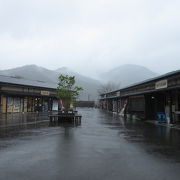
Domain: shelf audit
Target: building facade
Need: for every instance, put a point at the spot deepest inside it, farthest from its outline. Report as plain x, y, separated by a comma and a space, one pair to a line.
22, 95
157, 98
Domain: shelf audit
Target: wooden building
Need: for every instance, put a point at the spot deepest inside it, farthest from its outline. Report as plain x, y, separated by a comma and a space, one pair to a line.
23, 95
148, 99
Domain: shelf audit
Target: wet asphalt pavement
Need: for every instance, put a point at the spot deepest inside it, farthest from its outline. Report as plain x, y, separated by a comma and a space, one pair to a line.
102, 147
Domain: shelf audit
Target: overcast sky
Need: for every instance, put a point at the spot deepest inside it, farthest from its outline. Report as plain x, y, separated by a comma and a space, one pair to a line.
90, 36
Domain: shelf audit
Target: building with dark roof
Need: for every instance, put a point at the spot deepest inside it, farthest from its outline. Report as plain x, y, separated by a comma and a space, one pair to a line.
152, 99
25, 95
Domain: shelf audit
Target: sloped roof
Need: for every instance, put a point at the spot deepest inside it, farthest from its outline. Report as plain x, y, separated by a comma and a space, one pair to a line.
26, 82
146, 81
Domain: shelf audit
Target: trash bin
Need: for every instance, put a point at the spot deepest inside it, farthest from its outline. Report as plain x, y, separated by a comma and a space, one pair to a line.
161, 117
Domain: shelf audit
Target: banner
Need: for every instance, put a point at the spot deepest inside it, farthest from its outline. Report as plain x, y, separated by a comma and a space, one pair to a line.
55, 105
17, 105
9, 104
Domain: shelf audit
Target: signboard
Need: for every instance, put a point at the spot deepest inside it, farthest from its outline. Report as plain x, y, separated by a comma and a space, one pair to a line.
118, 93
161, 84
45, 93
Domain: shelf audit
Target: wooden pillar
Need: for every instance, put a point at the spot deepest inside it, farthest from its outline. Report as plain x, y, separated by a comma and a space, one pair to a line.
171, 115
117, 104
3, 104
145, 107
107, 105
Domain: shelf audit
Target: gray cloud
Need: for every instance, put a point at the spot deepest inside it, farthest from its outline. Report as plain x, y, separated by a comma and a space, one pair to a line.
90, 36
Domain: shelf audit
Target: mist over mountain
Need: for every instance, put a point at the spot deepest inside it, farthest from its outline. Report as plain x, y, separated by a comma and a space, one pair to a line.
122, 76
126, 75
34, 72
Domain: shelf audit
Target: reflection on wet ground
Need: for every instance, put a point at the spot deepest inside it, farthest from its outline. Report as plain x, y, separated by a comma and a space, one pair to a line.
103, 146
17, 125
155, 139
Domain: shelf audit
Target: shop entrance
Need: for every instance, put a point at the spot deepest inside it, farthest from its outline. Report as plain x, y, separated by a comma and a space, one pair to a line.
154, 103
38, 104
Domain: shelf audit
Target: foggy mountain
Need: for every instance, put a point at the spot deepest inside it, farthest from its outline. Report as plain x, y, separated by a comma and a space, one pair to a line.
126, 75
34, 72
122, 76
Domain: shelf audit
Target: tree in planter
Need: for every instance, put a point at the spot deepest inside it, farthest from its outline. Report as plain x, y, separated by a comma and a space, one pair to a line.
67, 91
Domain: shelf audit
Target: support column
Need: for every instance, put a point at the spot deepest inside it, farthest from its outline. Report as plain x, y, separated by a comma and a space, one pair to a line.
171, 115
3, 104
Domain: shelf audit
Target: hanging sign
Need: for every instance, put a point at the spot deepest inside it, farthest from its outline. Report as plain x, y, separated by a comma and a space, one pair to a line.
161, 84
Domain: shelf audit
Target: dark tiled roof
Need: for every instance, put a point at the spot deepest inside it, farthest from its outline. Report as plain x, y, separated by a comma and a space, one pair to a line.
147, 81
154, 79
26, 82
